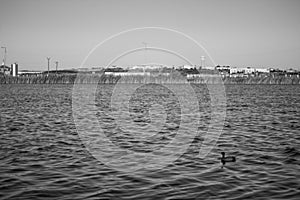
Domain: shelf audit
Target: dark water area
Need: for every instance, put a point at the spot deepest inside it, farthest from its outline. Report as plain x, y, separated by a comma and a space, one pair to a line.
42, 155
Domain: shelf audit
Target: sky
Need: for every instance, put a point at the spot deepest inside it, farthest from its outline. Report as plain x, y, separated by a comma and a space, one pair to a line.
240, 33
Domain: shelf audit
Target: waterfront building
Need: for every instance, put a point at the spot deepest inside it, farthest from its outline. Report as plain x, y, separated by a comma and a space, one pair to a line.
5, 70
188, 67
14, 69
248, 70
128, 73
29, 73
262, 70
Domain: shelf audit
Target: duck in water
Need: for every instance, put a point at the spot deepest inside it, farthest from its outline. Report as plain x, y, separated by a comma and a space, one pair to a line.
224, 159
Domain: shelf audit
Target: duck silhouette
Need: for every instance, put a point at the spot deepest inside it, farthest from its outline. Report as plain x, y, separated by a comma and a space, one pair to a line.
224, 159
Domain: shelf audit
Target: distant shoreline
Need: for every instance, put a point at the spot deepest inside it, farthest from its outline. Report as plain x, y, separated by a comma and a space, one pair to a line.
108, 79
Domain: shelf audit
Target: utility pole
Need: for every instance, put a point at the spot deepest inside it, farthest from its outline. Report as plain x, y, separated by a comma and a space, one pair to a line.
202, 61
4, 58
48, 58
145, 55
56, 66
145, 43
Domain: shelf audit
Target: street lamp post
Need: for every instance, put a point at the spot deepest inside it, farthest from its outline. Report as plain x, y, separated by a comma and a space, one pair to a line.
4, 58
48, 58
56, 64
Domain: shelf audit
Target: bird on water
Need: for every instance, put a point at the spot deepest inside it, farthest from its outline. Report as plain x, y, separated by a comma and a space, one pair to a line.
224, 159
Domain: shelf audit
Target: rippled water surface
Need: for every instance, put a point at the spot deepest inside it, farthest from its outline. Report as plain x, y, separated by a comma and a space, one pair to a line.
42, 156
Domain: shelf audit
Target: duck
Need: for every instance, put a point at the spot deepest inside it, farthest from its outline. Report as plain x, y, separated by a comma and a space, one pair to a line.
224, 159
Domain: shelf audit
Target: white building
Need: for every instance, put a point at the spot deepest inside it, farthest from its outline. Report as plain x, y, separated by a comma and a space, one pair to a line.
262, 70
14, 69
222, 67
128, 73
147, 67
29, 72
249, 70
234, 70
188, 67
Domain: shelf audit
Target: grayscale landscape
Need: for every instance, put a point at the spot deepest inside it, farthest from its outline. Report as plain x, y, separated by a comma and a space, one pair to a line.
149, 99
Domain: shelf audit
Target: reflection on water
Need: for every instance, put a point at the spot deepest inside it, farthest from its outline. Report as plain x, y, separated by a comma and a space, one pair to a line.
42, 156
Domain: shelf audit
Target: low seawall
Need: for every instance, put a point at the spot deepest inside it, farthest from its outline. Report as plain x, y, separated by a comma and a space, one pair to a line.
108, 79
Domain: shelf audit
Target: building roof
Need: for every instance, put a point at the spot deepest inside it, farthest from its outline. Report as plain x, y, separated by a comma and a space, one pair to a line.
4, 67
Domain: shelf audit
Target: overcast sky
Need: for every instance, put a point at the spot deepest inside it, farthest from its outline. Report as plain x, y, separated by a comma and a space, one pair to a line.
257, 33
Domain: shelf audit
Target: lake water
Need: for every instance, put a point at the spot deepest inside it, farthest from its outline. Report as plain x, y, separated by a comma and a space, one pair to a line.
43, 156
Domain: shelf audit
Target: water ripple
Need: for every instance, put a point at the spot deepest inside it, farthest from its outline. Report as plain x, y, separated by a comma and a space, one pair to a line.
42, 156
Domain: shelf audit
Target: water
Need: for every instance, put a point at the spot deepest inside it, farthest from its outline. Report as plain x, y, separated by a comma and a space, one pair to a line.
43, 157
